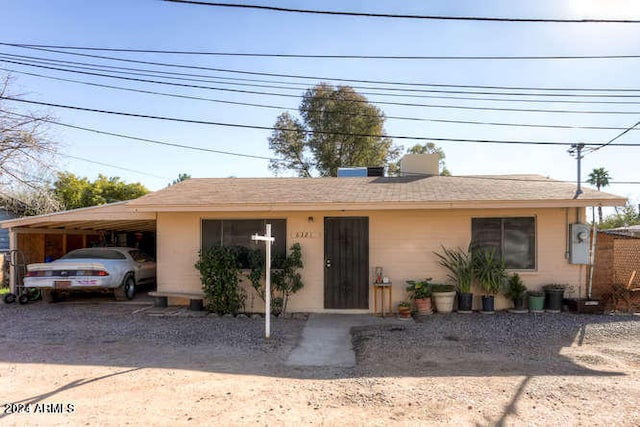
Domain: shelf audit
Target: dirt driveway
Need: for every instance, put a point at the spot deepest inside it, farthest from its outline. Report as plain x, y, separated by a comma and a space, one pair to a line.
113, 364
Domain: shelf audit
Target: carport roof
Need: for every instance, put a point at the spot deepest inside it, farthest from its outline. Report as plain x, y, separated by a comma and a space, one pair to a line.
111, 217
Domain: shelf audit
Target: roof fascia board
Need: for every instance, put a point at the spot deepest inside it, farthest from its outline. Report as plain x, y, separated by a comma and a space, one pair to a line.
494, 204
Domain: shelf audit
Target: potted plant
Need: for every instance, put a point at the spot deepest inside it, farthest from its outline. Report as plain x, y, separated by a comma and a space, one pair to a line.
420, 293
536, 301
490, 270
460, 271
517, 292
404, 310
443, 297
553, 296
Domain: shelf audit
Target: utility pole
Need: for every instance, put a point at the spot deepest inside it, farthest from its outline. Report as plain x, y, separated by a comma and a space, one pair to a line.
576, 149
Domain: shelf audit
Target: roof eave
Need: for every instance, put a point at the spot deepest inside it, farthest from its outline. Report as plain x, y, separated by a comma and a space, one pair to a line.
392, 205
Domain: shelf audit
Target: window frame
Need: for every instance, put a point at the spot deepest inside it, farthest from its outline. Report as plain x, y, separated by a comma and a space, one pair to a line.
502, 240
274, 253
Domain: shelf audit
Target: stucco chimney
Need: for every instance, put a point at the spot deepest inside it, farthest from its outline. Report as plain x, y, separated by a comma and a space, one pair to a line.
420, 164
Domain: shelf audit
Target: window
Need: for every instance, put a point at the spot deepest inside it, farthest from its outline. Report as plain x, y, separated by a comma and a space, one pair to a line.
237, 233
94, 253
514, 239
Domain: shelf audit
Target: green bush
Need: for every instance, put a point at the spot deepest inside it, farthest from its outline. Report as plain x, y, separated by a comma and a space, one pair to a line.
285, 277
515, 288
441, 287
219, 271
419, 290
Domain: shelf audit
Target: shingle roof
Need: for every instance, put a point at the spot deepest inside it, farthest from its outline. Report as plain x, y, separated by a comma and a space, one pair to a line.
382, 192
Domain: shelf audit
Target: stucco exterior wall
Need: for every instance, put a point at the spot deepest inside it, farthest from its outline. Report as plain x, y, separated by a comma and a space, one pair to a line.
402, 242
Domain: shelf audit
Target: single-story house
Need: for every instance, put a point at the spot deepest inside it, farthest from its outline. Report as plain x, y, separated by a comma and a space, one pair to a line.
348, 226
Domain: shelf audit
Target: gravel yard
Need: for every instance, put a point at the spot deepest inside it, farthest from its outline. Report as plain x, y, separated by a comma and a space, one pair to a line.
113, 364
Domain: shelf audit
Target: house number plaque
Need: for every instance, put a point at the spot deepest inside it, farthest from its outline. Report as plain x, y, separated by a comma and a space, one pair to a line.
305, 235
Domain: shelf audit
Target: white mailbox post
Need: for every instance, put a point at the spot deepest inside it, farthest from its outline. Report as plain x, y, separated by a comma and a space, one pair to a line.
268, 241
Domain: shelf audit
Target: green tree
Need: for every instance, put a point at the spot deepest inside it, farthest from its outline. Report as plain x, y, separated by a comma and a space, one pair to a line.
181, 177
76, 192
337, 127
600, 178
628, 216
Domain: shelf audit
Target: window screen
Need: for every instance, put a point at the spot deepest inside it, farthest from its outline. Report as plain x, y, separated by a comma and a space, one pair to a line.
512, 238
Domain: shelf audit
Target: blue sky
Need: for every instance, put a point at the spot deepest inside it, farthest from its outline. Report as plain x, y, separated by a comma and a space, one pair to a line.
150, 24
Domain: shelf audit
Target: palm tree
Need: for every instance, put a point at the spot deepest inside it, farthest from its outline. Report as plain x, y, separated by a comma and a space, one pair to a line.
600, 178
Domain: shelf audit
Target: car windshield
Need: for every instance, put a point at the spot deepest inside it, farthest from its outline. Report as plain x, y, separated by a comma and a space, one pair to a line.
94, 253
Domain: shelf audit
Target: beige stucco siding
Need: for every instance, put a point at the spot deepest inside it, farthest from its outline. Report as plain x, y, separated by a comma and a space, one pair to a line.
402, 242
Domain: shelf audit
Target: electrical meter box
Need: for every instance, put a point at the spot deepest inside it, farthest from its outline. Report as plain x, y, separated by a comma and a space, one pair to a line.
580, 243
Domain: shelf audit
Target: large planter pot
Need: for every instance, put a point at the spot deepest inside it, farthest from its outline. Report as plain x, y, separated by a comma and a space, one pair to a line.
423, 305
444, 301
519, 305
553, 300
536, 303
488, 304
465, 302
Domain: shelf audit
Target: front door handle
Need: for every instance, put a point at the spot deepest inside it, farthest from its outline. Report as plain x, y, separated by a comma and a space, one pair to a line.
327, 263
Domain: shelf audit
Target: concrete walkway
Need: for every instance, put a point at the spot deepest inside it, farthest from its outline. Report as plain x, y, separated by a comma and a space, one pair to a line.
326, 339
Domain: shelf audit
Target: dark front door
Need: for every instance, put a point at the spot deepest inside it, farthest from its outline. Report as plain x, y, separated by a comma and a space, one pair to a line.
346, 262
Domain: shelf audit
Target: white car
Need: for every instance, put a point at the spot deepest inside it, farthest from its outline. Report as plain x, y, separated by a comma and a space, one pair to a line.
117, 270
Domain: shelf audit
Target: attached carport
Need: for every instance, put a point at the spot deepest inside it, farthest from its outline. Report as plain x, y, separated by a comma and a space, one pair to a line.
47, 237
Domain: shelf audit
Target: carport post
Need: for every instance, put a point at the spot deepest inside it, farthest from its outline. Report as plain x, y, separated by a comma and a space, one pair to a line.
268, 241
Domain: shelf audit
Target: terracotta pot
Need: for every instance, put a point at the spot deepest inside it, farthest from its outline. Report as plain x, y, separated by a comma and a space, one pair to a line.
423, 305
404, 312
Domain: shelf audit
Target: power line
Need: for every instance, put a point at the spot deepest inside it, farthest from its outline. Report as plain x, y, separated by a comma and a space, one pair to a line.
402, 16
322, 78
297, 86
627, 130
277, 107
465, 98
329, 56
113, 166
152, 141
403, 104
96, 67
119, 135
245, 126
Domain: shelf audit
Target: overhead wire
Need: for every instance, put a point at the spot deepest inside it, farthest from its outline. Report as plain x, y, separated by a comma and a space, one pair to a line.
404, 104
154, 141
620, 135
20, 59
148, 140
95, 67
280, 107
401, 16
331, 56
271, 128
316, 78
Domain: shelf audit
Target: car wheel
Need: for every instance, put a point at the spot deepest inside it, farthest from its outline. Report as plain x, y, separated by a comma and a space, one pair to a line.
9, 298
23, 299
127, 290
